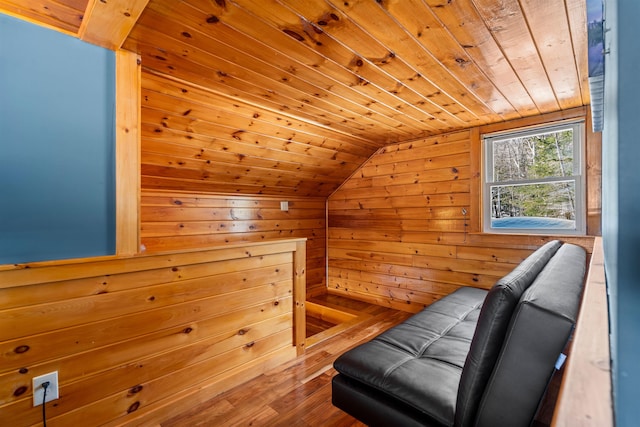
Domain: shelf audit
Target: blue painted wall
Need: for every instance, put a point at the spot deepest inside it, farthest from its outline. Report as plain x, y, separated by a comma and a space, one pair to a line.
621, 202
57, 149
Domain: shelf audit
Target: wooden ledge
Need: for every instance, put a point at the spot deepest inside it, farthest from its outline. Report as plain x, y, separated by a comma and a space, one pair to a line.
585, 393
14, 275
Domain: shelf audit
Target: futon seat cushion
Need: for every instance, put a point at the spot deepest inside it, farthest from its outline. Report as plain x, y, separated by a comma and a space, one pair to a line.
473, 358
421, 358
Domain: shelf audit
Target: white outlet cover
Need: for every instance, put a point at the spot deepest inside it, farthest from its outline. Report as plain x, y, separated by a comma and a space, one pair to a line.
38, 390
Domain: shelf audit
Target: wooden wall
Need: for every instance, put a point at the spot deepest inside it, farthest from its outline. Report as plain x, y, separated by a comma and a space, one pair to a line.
136, 339
398, 234
172, 220
196, 139
205, 181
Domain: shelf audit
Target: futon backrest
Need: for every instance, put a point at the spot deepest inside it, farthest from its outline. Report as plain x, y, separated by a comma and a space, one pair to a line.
493, 322
538, 332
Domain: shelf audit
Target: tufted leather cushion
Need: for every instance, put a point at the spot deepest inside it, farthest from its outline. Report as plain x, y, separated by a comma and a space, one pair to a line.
472, 358
419, 362
538, 332
493, 322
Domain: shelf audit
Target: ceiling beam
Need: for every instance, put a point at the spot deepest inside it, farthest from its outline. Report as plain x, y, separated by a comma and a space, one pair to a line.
107, 23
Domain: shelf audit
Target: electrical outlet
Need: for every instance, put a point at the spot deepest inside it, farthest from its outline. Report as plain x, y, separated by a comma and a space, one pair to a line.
284, 205
52, 389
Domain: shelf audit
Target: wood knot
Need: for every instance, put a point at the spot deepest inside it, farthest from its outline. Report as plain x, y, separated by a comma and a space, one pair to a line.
250, 344
20, 391
188, 330
134, 407
23, 370
293, 34
242, 331
212, 19
21, 349
136, 389
151, 298
276, 303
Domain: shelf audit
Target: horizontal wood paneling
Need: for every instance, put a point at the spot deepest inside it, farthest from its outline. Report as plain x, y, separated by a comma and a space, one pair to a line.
131, 337
195, 139
62, 15
176, 220
296, 393
291, 97
398, 234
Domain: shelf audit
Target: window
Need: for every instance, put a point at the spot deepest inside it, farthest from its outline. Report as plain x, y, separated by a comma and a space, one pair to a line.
534, 181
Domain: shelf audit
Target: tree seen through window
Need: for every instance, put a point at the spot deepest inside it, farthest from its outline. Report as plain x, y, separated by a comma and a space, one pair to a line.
532, 180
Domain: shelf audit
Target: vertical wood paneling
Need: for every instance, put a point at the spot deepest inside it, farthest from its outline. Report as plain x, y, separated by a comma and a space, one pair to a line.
127, 153
594, 179
299, 297
173, 220
405, 229
131, 337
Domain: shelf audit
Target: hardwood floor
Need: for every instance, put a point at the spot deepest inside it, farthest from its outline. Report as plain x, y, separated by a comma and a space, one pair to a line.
297, 393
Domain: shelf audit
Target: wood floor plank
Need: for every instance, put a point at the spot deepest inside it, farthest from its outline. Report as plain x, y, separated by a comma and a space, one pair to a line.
297, 393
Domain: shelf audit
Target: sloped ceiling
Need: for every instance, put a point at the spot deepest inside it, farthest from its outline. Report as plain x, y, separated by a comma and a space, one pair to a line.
289, 97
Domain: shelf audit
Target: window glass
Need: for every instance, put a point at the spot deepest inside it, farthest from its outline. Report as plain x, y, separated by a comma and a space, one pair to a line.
534, 181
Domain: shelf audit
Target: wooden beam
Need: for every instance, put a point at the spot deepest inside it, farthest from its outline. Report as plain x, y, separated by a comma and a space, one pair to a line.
299, 296
127, 153
108, 23
474, 218
593, 181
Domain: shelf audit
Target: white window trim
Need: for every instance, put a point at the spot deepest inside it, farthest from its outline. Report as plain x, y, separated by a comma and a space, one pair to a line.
580, 179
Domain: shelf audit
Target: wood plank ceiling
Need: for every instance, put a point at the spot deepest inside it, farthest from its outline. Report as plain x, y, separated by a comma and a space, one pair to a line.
290, 97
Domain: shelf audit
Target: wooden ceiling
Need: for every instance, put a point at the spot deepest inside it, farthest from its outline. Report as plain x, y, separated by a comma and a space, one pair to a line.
289, 97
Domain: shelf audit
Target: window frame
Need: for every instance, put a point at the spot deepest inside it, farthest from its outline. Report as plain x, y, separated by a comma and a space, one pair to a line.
579, 176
